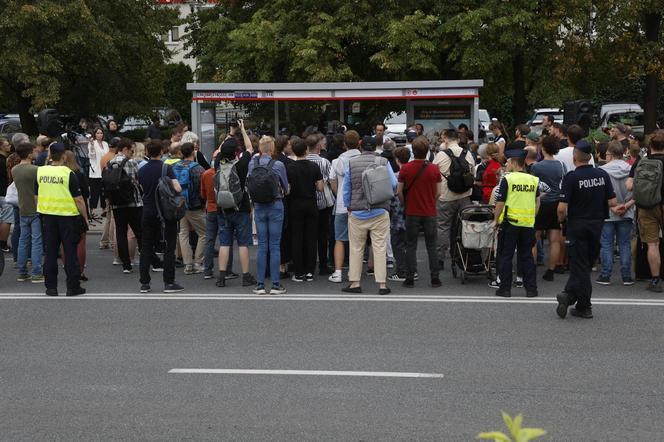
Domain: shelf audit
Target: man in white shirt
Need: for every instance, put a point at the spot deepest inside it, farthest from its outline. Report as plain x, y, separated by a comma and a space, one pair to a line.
575, 135
339, 166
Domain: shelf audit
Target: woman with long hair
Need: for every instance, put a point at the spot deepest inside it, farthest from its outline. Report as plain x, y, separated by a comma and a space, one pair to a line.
97, 148
70, 162
501, 138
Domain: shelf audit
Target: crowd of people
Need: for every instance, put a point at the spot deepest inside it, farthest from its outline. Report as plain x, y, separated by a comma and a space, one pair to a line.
312, 204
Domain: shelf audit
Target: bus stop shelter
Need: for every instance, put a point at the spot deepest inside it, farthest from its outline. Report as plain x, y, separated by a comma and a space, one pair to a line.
438, 104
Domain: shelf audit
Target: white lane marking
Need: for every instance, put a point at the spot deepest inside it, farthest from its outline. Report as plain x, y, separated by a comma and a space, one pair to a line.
336, 298
371, 374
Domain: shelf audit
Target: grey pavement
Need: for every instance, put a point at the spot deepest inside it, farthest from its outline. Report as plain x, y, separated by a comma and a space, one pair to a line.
98, 369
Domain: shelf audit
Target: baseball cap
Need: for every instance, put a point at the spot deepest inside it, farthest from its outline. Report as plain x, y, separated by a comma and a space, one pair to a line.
411, 135
368, 141
532, 136
57, 148
584, 147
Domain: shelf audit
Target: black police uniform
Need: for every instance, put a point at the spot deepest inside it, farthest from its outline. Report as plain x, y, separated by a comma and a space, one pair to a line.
587, 191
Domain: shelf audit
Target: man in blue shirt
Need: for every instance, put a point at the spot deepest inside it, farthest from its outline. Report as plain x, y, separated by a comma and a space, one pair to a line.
365, 220
586, 196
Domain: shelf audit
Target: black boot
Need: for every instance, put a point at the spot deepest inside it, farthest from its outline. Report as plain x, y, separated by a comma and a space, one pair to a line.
221, 280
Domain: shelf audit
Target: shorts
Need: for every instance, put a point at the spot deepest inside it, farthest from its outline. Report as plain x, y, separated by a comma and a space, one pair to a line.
547, 216
236, 225
6, 212
341, 227
650, 224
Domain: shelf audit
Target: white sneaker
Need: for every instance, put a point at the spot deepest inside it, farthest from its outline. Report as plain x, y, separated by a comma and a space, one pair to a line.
198, 268
189, 269
336, 277
116, 262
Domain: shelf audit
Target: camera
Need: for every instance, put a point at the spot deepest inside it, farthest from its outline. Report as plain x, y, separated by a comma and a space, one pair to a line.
234, 123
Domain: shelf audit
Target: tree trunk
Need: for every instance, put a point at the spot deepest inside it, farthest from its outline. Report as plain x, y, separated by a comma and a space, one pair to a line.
28, 122
653, 23
519, 101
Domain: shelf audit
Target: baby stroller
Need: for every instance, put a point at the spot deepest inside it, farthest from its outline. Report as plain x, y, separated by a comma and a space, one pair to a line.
473, 242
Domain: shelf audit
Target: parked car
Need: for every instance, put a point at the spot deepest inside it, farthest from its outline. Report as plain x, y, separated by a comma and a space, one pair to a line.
395, 127
133, 123
632, 118
617, 107
539, 114
9, 126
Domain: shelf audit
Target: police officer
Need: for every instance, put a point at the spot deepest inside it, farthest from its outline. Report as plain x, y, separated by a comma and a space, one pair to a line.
517, 201
586, 196
61, 206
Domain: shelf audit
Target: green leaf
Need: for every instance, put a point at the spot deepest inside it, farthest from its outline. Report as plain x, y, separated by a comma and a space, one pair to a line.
508, 421
516, 425
528, 434
497, 436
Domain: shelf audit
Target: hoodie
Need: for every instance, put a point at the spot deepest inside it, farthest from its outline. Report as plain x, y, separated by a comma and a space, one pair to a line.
618, 171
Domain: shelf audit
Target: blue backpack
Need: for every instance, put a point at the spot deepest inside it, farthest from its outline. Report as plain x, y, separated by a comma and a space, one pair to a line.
190, 186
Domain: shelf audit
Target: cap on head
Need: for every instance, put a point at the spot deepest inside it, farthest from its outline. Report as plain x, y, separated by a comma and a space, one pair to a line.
368, 143
57, 148
411, 135
584, 146
532, 136
228, 148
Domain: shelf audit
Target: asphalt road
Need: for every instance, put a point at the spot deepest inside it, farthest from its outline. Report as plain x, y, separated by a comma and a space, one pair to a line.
97, 367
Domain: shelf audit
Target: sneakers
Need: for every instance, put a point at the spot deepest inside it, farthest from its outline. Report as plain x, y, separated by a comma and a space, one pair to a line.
22, 278
231, 275
628, 281
409, 283
495, 284
145, 288
603, 280
127, 270
198, 268
157, 269
310, 277
563, 304
248, 280
76, 292
259, 289
104, 247
82, 277
189, 269
37, 279
336, 277
370, 271
655, 285
117, 262
503, 293
297, 278
586, 313
390, 264
519, 282
548, 275
277, 289
208, 275
396, 277
5, 248
173, 288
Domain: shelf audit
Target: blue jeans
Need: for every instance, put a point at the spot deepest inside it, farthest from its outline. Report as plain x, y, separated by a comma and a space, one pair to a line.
269, 219
622, 232
210, 239
30, 245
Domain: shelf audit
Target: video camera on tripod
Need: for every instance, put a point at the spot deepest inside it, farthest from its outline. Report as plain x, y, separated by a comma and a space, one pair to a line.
50, 124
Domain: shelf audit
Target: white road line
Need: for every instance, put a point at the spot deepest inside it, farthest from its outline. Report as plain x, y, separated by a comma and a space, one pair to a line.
335, 298
372, 374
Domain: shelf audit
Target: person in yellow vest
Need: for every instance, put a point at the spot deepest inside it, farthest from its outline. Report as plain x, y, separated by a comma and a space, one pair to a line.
59, 201
517, 201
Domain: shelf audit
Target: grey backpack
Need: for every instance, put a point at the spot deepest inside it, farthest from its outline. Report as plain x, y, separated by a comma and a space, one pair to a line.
648, 183
376, 183
227, 185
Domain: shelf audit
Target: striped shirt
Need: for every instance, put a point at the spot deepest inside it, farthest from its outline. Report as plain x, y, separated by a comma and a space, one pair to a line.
323, 202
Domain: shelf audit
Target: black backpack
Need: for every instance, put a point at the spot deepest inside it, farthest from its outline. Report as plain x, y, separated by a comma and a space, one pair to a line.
263, 183
460, 179
117, 184
171, 205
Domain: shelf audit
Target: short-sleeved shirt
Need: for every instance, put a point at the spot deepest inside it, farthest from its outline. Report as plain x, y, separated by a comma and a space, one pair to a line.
131, 168
302, 176
587, 191
659, 157
148, 177
207, 190
551, 174
420, 193
242, 168
25, 177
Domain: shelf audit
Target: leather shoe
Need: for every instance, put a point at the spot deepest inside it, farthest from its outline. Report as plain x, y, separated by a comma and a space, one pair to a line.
350, 289
385, 291
585, 313
563, 304
503, 294
532, 294
76, 292
51, 292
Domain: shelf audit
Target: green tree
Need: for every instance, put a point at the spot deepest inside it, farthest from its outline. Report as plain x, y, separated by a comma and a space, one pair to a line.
83, 56
175, 88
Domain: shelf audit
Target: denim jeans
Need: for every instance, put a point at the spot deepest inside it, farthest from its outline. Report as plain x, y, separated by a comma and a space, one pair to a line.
621, 231
211, 229
269, 219
30, 245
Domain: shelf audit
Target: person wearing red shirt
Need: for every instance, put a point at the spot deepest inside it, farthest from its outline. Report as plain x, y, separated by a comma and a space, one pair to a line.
418, 190
211, 227
490, 176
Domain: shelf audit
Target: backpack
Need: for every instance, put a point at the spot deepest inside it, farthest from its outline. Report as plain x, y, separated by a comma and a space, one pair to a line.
190, 189
647, 191
227, 186
376, 183
263, 183
171, 205
461, 178
117, 184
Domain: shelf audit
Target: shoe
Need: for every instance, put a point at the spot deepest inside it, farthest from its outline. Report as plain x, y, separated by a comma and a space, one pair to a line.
384, 291
297, 278
117, 262
173, 288
310, 277
409, 283
198, 268
248, 280
76, 292
51, 292
103, 246
37, 279
145, 288
370, 271
277, 289
259, 289
655, 285
390, 264
5, 248
503, 294
548, 275
396, 277
603, 280
532, 294
23, 278
221, 280
157, 269
189, 269
416, 276
586, 313
179, 264
563, 304
83, 277
324, 271
350, 289
231, 275
628, 281
127, 270
519, 282
494, 284
435, 283
208, 275
336, 277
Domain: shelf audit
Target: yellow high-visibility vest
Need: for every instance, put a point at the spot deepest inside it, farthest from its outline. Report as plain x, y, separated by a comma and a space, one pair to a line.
172, 161
54, 195
521, 203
